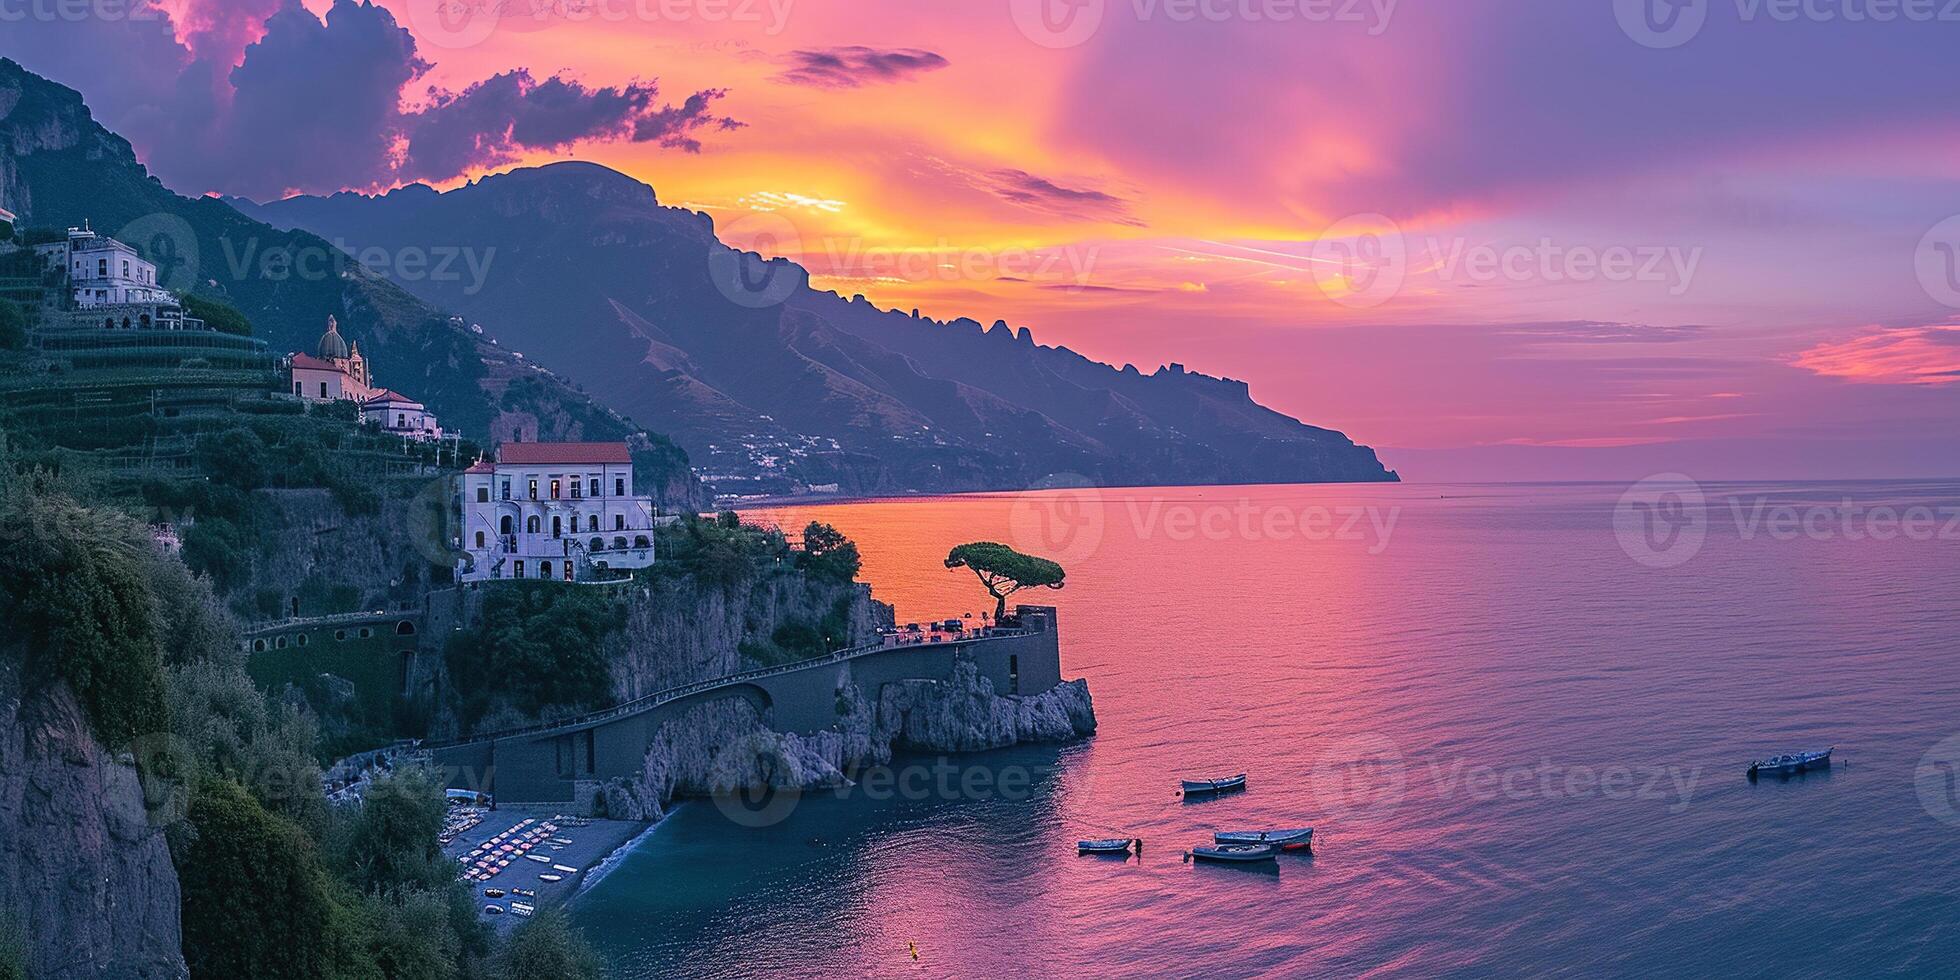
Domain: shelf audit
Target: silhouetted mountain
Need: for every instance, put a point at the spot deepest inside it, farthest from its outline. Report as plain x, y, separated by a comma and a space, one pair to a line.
587, 273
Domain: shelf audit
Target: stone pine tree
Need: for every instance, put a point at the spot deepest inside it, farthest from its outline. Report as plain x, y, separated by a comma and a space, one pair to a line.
1004, 571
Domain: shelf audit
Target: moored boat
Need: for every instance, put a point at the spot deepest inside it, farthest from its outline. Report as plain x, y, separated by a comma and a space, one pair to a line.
1298, 839
1114, 845
1225, 784
1235, 853
1784, 765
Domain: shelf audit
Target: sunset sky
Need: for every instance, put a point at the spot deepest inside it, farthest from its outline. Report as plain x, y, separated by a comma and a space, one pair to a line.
1551, 238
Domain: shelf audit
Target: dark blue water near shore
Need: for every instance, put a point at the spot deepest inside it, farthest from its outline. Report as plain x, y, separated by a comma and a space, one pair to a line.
1520, 735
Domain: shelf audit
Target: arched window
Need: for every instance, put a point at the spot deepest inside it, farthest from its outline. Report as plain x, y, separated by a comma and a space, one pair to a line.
640, 541
619, 543
479, 540
279, 643
597, 544
531, 524
108, 323
258, 646
300, 639
125, 323
404, 628
544, 569
505, 526
144, 320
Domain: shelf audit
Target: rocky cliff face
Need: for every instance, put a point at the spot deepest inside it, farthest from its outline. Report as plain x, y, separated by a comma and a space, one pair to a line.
681, 631
82, 869
725, 746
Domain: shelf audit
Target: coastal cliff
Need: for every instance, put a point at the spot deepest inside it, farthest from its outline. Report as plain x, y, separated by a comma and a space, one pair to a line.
83, 871
727, 746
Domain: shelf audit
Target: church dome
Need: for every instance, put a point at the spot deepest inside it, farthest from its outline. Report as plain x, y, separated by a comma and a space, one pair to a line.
332, 345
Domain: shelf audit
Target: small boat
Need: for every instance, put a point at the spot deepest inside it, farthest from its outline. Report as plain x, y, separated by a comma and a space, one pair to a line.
1300, 839
1114, 845
524, 892
493, 910
1224, 785
541, 859
1235, 853
550, 877
1784, 765
521, 912
564, 869
493, 893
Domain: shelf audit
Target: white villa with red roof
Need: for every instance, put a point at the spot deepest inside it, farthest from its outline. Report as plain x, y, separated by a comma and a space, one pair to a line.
336, 371
562, 511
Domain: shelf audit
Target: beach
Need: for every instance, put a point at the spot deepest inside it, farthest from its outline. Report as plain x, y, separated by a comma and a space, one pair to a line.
591, 843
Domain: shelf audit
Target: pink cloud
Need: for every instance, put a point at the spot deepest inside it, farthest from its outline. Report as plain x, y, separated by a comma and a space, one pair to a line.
1897, 356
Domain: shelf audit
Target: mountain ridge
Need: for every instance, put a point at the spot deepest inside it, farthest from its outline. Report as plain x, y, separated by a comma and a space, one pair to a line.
814, 389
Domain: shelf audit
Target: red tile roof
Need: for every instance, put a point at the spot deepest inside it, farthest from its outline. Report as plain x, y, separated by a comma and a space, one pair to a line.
391, 395
309, 361
481, 466
545, 453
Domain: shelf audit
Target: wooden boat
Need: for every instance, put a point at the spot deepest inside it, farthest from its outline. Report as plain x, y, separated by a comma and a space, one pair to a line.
1299, 839
1194, 787
1235, 853
1784, 765
1114, 845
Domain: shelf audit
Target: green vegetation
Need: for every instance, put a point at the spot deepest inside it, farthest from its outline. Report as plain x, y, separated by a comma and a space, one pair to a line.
13, 325
256, 902
1004, 571
536, 650
72, 586
13, 949
828, 554
221, 317
721, 551
548, 946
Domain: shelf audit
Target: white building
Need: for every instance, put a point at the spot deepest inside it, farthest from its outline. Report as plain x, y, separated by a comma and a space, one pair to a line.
554, 510
105, 272
397, 414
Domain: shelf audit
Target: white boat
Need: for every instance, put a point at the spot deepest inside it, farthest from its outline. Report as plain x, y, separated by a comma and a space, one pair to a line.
1298, 839
1235, 853
564, 869
1784, 765
551, 877
1114, 845
1221, 785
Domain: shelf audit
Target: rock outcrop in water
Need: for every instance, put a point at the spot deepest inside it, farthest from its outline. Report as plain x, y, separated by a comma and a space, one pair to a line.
82, 869
726, 745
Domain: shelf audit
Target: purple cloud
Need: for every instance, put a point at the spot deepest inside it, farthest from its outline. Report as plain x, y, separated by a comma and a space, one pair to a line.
852, 66
1041, 194
274, 124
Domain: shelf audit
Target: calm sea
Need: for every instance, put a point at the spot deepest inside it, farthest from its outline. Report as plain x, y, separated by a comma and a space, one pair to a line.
1518, 717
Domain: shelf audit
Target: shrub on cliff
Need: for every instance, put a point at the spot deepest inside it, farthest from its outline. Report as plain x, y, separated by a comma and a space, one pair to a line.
13, 325
537, 648
548, 946
221, 317
73, 587
828, 554
256, 902
389, 842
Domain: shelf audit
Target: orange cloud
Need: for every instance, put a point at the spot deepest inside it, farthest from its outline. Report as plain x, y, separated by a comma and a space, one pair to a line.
1898, 356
